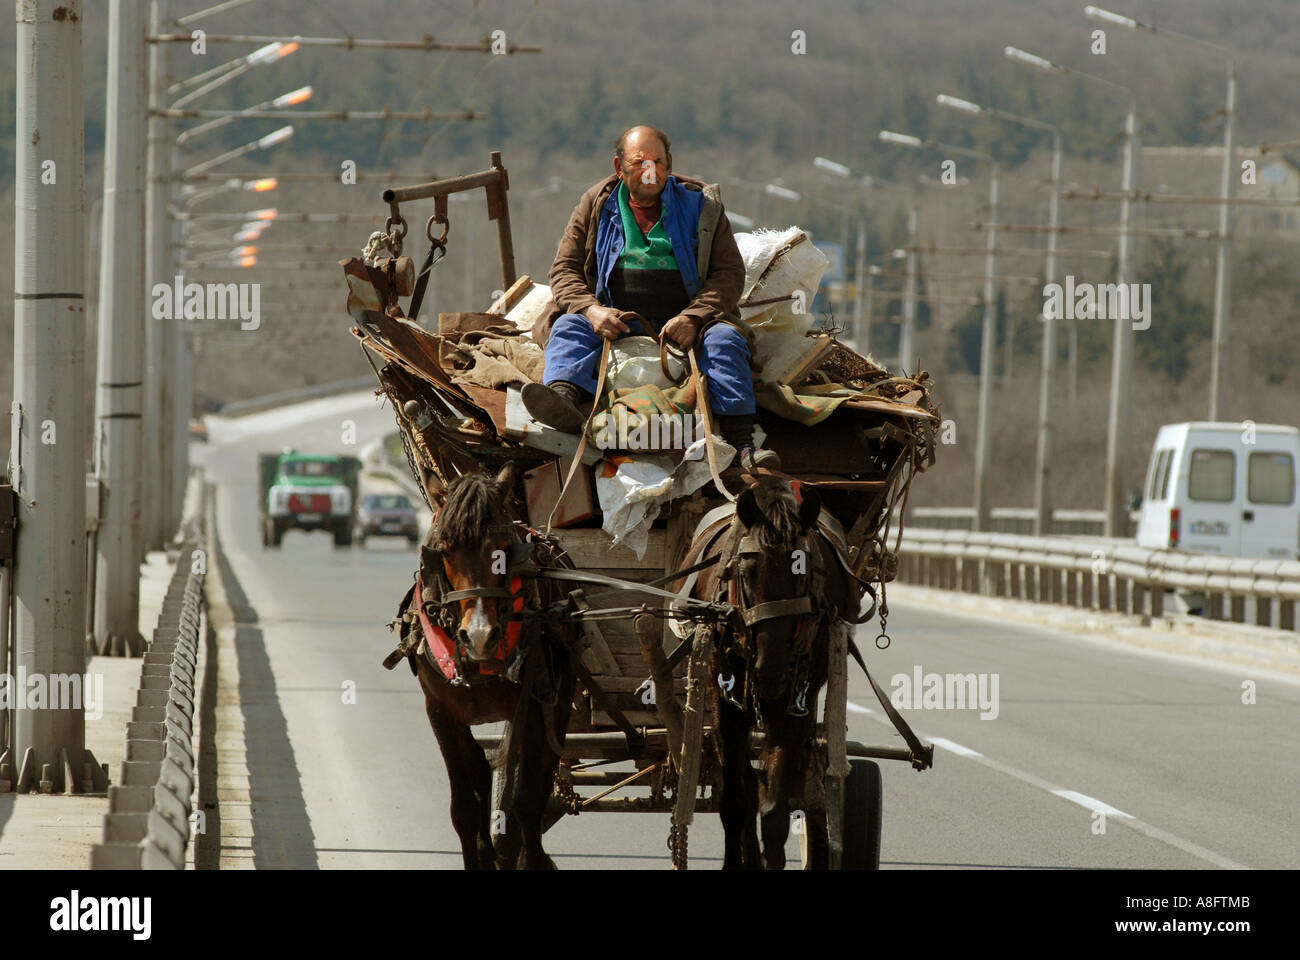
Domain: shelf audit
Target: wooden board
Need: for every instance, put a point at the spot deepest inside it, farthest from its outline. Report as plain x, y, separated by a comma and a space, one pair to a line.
789, 357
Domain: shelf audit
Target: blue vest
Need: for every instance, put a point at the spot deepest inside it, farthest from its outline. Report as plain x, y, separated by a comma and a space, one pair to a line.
681, 219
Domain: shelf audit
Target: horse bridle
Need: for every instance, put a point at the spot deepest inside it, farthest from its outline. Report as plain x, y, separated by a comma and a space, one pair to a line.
442, 604
801, 607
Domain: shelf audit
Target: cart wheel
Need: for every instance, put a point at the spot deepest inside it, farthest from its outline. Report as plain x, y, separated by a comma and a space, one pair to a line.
862, 812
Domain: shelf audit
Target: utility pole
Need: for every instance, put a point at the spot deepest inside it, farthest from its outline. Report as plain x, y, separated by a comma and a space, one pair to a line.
122, 311
1121, 375
1042, 495
47, 464
982, 443
861, 281
907, 332
1223, 272
158, 405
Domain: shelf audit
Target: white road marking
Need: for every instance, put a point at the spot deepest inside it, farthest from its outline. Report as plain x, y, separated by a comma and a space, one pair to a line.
1024, 776
1091, 803
956, 748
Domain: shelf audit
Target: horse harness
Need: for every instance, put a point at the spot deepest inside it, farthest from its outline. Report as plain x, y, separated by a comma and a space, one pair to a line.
436, 611
747, 617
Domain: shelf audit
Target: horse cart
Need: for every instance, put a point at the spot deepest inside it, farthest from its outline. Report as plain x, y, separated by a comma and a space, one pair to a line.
643, 723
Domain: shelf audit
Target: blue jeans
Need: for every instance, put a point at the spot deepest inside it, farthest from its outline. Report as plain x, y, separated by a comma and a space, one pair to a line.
573, 351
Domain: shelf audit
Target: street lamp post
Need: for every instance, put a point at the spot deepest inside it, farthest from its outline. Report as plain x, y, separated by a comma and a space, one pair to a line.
1121, 378
981, 494
1042, 505
1227, 192
158, 346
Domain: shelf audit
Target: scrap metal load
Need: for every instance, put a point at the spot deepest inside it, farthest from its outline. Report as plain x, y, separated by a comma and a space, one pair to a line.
838, 421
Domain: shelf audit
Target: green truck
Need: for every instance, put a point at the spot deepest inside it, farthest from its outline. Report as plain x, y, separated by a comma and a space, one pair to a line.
307, 491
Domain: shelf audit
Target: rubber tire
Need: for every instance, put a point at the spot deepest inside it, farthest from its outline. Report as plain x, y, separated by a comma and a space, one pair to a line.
343, 535
359, 538
277, 533
863, 792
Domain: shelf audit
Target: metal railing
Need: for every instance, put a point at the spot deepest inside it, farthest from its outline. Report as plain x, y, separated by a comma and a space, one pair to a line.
1065, 522
1099, 574
147, 826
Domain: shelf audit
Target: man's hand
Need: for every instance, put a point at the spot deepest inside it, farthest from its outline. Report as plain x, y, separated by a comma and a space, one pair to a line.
605, 321
681, 329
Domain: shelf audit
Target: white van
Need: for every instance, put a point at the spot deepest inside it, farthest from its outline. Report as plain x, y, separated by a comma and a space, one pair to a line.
1227, 488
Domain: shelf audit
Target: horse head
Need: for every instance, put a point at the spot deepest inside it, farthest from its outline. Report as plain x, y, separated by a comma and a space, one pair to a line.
772, 565
469, 547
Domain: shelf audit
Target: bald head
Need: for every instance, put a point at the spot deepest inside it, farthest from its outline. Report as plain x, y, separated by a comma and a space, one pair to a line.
643, 163
638, 133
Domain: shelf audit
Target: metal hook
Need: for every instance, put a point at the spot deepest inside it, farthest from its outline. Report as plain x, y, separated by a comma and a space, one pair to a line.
428, 232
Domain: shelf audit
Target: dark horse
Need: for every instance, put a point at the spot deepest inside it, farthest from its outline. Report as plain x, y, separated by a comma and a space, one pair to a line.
481, 658
770, 665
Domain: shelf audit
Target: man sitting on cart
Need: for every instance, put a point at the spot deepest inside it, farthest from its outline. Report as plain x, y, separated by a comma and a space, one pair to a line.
649, 242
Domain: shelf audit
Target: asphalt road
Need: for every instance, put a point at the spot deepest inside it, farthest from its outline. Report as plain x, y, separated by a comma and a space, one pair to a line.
1186, 774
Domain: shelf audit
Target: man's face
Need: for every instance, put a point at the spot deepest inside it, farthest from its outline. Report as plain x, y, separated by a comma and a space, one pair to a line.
645, 167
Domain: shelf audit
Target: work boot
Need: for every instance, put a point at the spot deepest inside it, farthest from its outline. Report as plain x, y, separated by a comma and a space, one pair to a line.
556, 405
738, 431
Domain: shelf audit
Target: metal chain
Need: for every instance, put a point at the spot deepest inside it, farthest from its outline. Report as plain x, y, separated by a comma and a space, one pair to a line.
677, 844
884, 619
564, 791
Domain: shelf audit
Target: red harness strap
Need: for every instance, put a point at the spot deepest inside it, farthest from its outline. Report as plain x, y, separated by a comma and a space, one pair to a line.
443, 647
435, 638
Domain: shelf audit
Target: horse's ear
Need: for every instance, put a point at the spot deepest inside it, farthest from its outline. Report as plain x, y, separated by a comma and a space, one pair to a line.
505, 480
810, 508
747, 508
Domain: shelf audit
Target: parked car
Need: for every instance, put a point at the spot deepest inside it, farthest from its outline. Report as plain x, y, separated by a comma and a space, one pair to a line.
386, 515
1226, 488
307, 492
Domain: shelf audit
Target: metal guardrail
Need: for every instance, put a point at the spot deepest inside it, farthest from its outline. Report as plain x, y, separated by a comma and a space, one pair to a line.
1065, 522
148, 823
1098, 574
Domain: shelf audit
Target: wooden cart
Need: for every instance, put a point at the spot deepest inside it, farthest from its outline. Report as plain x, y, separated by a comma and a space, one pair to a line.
860, 459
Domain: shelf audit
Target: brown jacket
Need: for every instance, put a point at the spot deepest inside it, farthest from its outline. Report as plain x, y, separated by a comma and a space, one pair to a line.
721, 269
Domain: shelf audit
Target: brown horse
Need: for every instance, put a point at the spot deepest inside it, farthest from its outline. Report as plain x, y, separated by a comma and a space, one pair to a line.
770, 664
483, 655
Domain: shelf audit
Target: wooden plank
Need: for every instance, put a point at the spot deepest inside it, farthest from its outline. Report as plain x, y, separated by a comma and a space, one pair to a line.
638, 718
604, 662
789, 357
630, 684
520, 426
503, 303
591, 550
